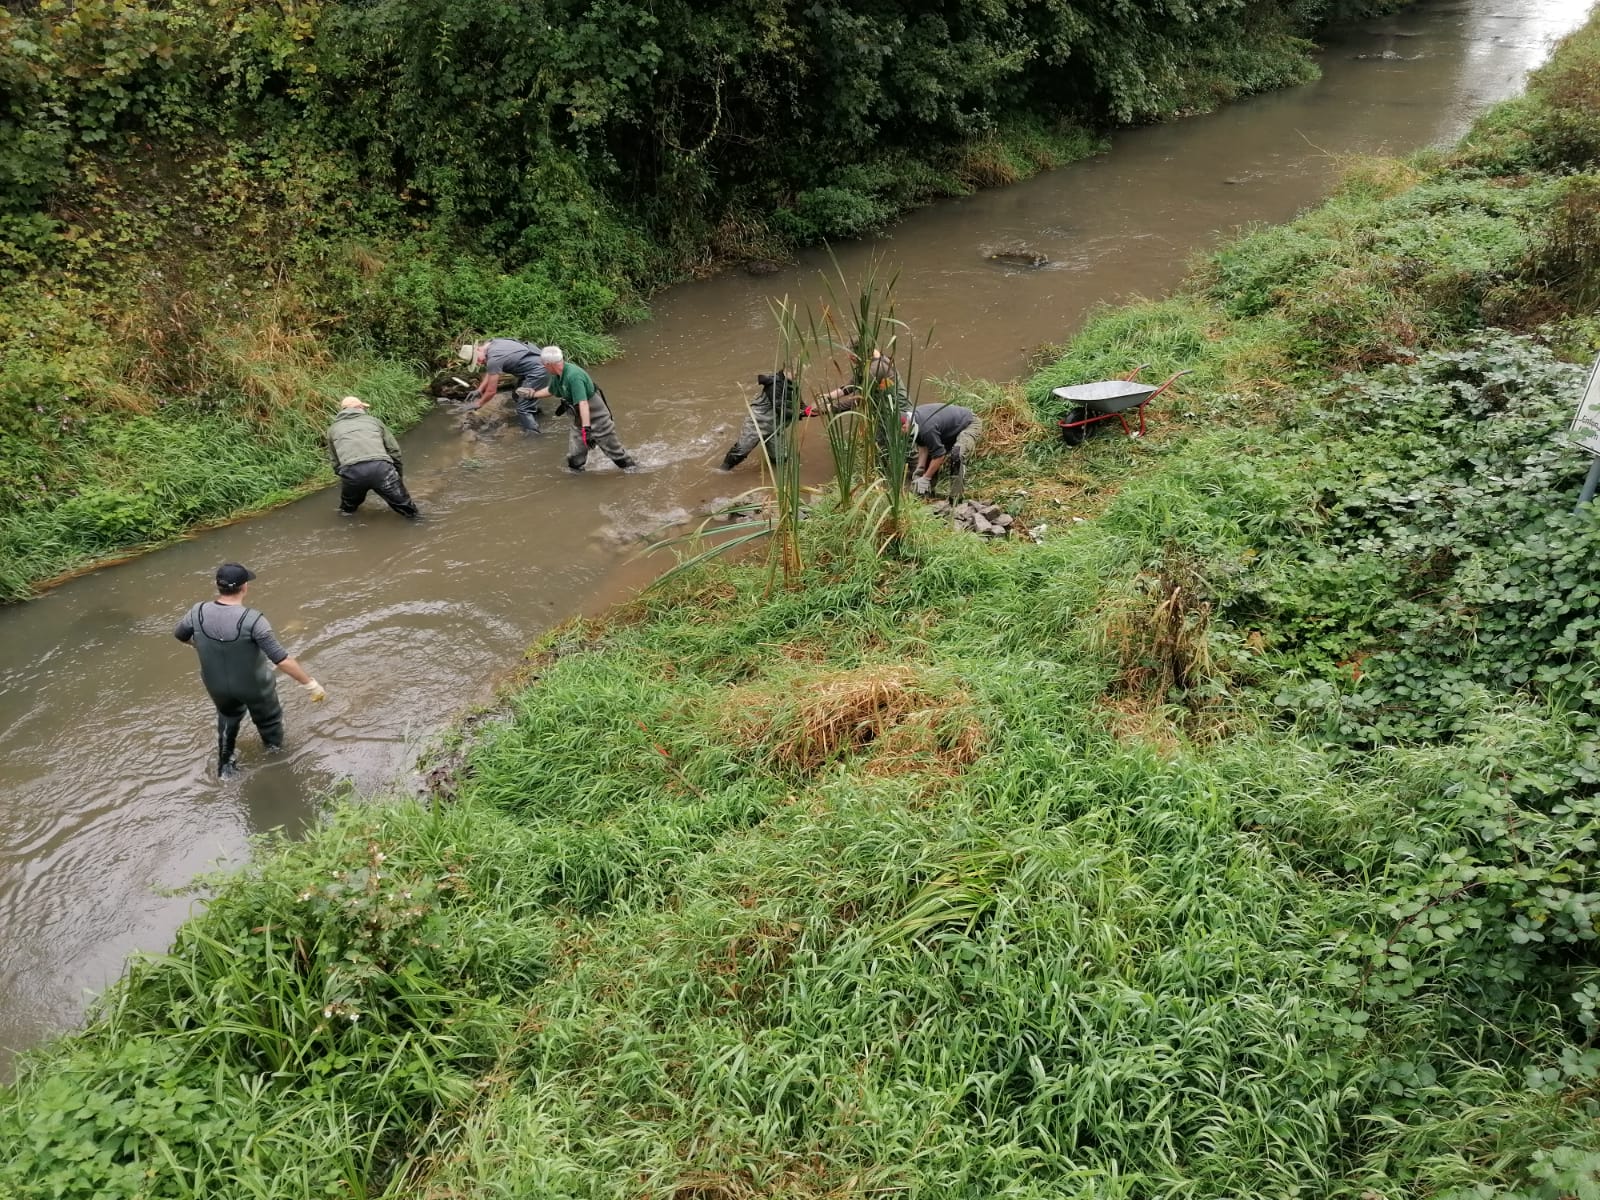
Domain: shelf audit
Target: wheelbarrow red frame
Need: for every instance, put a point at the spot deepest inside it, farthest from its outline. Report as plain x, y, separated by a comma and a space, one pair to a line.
1096, 417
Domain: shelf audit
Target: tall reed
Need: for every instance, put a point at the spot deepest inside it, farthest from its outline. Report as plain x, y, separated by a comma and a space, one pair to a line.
875, 352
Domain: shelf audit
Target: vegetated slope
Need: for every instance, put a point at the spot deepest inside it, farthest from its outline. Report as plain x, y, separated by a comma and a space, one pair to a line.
1239, 842
214, 217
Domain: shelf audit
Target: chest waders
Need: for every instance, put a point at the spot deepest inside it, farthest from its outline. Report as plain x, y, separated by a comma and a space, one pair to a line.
602, 433
239, 679
776, 405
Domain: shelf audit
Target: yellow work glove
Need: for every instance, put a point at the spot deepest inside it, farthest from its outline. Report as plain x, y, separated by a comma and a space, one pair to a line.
314, 689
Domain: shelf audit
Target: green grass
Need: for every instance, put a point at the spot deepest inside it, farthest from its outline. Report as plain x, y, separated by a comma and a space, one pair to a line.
641, 952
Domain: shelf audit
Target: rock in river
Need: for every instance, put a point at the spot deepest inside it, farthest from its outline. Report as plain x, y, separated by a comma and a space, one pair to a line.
1015, 256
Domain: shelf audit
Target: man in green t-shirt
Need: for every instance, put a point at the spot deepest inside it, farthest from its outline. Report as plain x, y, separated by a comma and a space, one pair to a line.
591, 419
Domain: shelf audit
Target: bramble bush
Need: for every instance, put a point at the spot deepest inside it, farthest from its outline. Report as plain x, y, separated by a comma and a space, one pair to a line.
1447, 557
1436, 589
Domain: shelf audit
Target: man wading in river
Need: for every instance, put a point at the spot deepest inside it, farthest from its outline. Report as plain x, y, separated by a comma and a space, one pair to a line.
238, 652
591, 419
366, 458
881, 377
774, 406
503, 356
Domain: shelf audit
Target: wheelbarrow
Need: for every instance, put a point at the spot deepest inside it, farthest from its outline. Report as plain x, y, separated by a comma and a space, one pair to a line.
1108, 400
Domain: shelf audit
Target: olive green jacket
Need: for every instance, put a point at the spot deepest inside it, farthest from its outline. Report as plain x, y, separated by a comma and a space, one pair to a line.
357, 436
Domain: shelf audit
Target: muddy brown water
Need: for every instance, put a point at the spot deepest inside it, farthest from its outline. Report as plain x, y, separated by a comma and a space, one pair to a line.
106, 796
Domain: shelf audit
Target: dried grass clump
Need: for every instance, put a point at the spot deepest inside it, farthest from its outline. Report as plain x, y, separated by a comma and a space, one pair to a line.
909, 721
1158, 634
940, 741
1009, 424
740, 237
806, 650
1130, 721
986, 164
818, 1179
715, 1185
176, 342
1377, 176
1160, 641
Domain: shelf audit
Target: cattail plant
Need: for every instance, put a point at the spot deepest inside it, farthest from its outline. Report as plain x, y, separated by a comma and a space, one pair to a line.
781, 452
858, 329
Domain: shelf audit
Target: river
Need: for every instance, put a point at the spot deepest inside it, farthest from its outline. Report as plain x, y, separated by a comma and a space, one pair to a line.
107, 797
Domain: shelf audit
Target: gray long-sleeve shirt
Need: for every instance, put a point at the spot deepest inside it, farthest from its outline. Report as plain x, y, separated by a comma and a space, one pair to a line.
939, 425
503, 356
221, 621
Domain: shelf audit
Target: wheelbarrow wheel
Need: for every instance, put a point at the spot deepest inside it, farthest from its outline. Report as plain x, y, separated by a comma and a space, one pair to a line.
1073, 433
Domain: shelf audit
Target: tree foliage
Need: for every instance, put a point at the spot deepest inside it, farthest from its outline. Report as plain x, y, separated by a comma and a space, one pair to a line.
512, 114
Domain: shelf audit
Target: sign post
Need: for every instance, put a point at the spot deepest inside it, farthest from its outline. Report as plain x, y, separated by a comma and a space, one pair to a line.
1585, 433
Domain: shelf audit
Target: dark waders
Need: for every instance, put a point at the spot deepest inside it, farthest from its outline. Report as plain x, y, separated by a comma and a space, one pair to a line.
376, 475
239, 679
759, 426
527, 405
602, 433
960, 455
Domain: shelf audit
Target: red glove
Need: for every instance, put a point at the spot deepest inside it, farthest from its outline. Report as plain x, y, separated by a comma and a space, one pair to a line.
587, 437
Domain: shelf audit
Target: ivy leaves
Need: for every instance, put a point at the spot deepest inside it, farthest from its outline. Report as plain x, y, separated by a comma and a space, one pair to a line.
1448, 595
1448, 559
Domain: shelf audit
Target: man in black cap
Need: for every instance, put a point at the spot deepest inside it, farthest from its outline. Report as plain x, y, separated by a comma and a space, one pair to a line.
238, 652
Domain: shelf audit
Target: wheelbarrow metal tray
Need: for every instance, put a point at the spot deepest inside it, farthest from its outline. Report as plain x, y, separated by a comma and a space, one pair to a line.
1107, 396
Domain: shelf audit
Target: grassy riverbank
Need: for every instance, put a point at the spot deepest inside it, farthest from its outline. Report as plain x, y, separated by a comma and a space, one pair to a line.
216, 218
1237, 841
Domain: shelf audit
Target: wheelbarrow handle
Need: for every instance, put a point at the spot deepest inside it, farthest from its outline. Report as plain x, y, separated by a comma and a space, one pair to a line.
1170, 381
1134, 374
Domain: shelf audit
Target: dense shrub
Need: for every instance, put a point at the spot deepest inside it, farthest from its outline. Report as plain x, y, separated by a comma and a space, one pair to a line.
831, 212
1425, 582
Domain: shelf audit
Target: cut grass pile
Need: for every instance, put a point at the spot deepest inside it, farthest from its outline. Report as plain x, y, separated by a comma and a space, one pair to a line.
906, 717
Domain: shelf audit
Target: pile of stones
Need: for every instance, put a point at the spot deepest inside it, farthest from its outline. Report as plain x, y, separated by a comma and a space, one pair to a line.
986, 520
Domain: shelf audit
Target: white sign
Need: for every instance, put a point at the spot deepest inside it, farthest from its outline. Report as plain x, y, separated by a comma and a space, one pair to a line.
1585, 429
